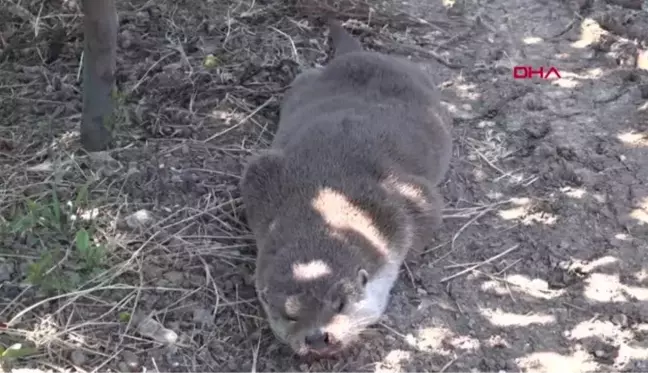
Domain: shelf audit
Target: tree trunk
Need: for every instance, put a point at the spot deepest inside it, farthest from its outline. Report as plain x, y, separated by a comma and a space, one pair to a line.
99, 65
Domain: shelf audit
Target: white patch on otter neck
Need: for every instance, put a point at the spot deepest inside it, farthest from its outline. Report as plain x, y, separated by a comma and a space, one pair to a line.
340, 213
358, 316
311, 270
378, 289
348, 326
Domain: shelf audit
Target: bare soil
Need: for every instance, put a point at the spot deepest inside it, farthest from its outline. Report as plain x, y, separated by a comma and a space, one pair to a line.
542, 265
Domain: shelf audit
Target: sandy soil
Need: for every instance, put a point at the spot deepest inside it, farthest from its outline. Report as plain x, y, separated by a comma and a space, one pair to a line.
542, 265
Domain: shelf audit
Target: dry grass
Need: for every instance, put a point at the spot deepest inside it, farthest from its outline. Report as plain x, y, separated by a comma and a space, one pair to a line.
199, 85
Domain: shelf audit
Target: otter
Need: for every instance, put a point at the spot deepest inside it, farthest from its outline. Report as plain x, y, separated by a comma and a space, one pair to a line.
348, 187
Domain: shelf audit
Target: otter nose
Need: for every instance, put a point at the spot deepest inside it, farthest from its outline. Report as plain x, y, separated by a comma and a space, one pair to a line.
318, 339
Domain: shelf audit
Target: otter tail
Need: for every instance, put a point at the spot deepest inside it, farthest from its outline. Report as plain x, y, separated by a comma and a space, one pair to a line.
343, 42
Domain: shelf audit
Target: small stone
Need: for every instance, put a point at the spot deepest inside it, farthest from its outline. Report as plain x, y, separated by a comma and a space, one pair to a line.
172, 360
174, 277
6, 270
514, 125
139, 219
130, 360
122, 367
544, 151
148, 327
78, 358
202, 316
132, 168
620, 319
486, 124
538, 130
461, 113
126, 39
534, 103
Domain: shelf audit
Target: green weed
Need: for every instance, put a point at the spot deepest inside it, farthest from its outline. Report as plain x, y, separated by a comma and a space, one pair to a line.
16, 351
67, 255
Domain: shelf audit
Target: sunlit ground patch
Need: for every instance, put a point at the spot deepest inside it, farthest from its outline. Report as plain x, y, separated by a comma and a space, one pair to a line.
530, 40
393, 361
641, 212
577, 193
500, 318
591, 33
597, 328
541, 362
537, 288
566, 80
468, 91
441, 341
523, 212
518, 212
609, 331
633, 138
591, 265
608, 288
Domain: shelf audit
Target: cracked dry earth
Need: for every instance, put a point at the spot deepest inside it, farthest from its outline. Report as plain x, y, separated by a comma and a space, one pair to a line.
570, 156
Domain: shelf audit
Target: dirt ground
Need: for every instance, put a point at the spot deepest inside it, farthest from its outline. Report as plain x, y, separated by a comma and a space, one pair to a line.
542, 264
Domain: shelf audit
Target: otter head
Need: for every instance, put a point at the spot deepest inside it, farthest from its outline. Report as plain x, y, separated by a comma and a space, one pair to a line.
314, 306
320, 255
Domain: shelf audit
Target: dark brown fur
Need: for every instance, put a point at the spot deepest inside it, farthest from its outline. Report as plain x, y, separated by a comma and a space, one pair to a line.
363, 126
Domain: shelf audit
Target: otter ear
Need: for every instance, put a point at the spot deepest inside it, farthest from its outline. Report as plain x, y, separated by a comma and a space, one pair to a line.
261, 188
363, 277
261, 170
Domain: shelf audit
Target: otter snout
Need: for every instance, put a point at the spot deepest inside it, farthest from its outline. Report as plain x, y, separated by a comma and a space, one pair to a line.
319, 339
321, 342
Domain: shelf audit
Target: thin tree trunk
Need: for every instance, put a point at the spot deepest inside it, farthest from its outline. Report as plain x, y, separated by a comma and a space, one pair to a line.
99, 64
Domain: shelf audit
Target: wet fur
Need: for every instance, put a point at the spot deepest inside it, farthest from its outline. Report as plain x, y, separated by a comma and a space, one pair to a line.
370, 128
